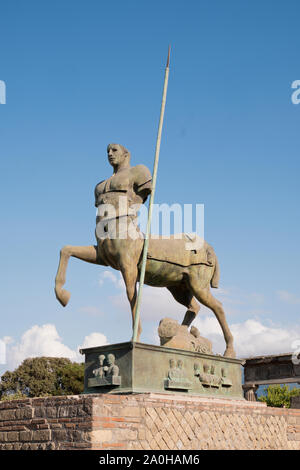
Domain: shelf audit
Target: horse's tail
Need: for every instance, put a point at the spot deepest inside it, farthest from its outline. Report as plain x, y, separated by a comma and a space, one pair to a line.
214, 282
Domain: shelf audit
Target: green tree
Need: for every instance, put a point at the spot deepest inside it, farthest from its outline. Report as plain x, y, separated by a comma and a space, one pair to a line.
42, 376
279, 395
70, 379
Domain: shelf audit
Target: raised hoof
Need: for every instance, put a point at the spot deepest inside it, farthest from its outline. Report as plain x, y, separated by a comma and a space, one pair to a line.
63, 296
230, 352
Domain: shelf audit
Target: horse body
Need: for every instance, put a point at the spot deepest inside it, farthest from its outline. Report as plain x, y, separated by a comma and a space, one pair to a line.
186, 283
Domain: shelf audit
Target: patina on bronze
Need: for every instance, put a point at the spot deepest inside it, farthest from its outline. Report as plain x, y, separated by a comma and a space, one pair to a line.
148, 368
186, 274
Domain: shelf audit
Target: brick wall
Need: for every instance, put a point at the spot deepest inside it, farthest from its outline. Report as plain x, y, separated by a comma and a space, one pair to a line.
146, 421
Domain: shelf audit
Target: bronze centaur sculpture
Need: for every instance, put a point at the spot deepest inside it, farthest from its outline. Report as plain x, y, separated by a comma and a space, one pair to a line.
187, 274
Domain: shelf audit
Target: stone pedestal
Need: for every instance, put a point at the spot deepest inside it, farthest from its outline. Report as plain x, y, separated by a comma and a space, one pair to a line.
139, 368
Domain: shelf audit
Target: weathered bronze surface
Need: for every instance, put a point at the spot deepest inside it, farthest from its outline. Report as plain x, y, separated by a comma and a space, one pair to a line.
173, 335
148, 368
187, 273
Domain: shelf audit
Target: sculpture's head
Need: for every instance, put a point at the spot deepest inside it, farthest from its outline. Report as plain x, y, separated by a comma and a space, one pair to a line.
195, 332
167, 329
111, 359
117, 154
101, 359
172, 363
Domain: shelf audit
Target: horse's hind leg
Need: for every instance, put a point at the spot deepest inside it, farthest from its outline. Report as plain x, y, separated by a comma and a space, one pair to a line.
130, 275
185, 297
204, 296
85, 253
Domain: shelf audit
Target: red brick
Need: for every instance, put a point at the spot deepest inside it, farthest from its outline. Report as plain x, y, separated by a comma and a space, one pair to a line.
84, 426
113, 445
38, 421
41, 435
43, 426
56, 426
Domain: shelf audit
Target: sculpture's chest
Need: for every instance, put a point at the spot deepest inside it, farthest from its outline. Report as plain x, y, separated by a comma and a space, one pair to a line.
116, 183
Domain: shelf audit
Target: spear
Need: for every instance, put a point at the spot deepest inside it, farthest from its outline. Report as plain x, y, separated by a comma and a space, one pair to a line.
154, 175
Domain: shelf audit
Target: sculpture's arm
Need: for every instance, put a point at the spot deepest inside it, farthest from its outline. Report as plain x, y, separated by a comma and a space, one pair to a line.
97, 191
142, 181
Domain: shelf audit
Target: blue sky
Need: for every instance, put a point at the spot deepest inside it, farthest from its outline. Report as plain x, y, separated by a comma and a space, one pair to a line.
82, 74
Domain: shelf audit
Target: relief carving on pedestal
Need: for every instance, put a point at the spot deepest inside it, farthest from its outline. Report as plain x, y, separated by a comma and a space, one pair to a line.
106, 372
176, 378
209, 378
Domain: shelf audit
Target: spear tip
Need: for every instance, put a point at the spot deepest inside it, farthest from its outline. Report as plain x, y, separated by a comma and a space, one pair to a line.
168, 60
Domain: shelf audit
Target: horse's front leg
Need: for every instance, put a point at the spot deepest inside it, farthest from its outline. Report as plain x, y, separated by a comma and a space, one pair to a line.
85, 253
130, 275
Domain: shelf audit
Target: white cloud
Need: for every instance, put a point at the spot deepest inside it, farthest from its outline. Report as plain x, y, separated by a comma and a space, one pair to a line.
7, 339
251, 337
39, 341
288, 297
44, 340
94, 339
109, 275
156, 304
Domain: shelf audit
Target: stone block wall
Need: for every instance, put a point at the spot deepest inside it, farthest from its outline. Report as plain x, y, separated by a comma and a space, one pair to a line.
145, 421
46, 423
295, 402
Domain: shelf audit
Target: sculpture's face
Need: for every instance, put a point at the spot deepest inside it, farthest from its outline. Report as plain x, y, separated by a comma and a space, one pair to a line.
115, 154
101, 359
110, 360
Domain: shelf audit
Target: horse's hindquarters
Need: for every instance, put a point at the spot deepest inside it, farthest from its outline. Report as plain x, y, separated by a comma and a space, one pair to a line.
163, 274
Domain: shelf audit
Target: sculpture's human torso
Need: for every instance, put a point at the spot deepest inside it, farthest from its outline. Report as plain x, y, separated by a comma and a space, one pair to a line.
131, 182
124, 192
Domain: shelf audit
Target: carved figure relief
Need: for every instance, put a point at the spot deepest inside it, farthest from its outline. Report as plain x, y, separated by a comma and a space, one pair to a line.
226, 382
107, 372
99, 372
176, 378
208, 378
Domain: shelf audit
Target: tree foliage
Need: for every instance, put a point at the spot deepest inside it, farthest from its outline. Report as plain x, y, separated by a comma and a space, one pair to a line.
43, 376
279, 395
